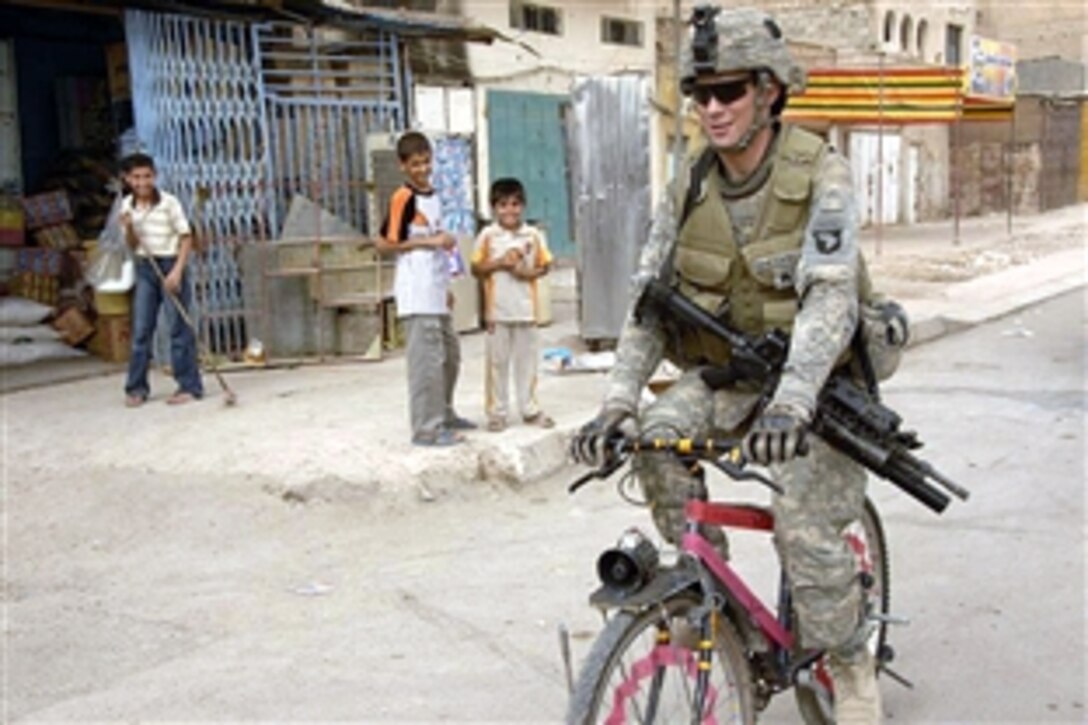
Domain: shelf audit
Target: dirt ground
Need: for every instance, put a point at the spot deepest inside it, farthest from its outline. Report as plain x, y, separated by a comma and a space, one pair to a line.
914, 258
136, 594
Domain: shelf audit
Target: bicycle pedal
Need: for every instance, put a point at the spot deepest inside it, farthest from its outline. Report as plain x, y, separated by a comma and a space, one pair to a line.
888, 619
896, 676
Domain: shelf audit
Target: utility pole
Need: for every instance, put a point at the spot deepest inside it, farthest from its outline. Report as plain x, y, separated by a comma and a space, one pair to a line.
678, 117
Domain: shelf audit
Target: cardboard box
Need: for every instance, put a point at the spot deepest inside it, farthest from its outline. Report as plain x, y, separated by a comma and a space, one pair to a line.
73, 326
112, 340
43, 210
112, 303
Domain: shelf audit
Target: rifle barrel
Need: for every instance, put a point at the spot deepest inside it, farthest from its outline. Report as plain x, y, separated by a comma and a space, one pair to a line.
910, 481
926, 469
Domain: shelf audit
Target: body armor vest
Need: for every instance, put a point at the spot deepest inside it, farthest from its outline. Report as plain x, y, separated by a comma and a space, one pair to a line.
752, 286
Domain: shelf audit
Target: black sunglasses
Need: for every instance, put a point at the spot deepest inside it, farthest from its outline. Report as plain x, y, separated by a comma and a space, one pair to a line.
726, 93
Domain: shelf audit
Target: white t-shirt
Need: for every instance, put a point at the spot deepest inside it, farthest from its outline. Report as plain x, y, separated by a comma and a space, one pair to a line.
159, 227
423, 275
506, 297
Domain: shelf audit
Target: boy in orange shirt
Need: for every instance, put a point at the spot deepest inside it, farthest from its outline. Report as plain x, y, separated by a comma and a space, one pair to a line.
413, 230
509, 257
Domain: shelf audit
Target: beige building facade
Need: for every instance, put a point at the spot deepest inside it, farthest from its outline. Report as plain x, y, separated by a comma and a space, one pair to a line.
555, 42
1039, 28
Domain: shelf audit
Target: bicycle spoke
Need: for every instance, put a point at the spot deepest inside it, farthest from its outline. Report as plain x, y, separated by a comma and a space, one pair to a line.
634, 704
652, 679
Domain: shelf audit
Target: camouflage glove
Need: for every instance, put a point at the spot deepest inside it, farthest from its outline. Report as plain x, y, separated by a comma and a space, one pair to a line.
777, 436
592, 444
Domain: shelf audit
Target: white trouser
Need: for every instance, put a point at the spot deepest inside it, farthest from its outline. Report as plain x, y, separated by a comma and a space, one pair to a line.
511, 344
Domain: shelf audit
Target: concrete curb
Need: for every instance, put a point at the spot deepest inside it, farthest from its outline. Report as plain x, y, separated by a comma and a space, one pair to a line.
1005, 302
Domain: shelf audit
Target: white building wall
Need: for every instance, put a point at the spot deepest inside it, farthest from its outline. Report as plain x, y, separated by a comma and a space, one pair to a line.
558, 59
936, 15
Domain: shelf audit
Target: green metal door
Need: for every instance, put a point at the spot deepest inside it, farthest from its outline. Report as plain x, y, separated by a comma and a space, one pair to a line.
525, 139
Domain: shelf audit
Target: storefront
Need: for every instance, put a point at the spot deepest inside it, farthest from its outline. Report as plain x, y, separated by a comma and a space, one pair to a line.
242, 105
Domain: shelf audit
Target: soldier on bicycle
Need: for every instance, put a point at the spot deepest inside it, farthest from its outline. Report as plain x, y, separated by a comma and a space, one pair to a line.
759, 228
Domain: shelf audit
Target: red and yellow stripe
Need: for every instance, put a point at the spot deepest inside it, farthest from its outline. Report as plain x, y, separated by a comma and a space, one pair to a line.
893, 96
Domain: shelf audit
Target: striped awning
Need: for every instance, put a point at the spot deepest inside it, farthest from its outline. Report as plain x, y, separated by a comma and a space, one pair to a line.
892, 96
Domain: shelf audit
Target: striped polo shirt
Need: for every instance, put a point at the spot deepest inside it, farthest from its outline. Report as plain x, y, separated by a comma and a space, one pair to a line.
160, 226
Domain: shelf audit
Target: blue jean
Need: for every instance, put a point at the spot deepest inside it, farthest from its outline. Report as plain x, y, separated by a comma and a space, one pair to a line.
149, 297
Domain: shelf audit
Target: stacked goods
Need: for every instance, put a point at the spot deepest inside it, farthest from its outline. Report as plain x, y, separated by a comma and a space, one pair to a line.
38, 275
73, 326
12, 226
83, 178
49, 215
58, 236
46, 209
25, 339
112, 339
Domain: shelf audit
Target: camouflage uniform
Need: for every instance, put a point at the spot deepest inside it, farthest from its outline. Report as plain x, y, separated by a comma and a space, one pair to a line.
823, 491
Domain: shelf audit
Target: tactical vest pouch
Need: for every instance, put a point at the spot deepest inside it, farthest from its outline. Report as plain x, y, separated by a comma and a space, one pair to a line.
885, 333
705, 269
778, 271
780, 314
791, 193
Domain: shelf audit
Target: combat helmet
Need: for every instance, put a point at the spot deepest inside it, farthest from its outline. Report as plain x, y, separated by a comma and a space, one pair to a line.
734, 40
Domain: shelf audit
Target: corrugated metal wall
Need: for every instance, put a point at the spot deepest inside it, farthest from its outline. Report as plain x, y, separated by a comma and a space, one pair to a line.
1082, 184
609, 146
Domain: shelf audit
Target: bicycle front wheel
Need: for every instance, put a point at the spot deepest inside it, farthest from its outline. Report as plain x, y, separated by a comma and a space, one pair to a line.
635, 673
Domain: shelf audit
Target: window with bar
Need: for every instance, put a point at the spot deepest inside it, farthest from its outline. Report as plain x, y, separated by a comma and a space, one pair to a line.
621, 32
537, 18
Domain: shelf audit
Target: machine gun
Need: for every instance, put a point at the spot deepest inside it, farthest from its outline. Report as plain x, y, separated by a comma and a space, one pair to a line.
847, 417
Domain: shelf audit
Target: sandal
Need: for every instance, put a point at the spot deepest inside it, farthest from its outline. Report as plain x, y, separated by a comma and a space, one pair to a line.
441, 439
539, 419
459, 423
180, 398
134, 401
496, 425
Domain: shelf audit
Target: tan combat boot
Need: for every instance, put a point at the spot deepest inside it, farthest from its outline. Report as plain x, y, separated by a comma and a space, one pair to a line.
857, 698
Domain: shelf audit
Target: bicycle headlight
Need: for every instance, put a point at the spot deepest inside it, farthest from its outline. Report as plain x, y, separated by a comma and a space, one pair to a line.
630, 564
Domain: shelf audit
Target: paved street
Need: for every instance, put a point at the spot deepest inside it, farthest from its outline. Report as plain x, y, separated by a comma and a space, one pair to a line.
138, 596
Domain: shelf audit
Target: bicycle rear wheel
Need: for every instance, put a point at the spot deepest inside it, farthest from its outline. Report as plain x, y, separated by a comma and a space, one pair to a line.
865, 537
631, 675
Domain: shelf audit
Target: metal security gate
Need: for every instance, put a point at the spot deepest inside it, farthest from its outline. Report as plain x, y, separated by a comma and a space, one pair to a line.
240, 117
198, 103
325, 92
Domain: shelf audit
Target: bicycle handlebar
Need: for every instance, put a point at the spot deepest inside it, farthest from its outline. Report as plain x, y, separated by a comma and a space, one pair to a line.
723, 453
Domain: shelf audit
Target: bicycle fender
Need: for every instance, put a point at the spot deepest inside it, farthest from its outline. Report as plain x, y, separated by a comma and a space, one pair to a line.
664, 584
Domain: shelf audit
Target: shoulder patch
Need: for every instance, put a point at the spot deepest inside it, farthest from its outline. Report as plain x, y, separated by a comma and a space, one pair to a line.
828, 241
